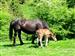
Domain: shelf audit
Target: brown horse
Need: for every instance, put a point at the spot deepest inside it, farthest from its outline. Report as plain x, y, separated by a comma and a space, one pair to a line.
27, 26
46, 33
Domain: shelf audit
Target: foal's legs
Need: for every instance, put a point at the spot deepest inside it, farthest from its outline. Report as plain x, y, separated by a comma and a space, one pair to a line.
39, 40
15, 34
46, 40
19, 36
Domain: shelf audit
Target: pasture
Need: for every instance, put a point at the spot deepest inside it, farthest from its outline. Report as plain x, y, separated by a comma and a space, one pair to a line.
59, 48
59, 15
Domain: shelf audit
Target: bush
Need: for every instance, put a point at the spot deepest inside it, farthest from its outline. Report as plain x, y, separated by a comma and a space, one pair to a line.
57, 14
60, 18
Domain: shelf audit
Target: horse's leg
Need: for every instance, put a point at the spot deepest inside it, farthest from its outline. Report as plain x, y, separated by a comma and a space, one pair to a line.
19, 36
15, 34
33, 38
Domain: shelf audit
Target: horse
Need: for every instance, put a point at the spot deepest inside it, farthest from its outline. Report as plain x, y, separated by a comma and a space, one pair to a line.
27, 26
47, 34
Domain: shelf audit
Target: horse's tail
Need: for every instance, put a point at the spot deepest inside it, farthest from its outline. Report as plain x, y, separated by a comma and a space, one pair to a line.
10, 31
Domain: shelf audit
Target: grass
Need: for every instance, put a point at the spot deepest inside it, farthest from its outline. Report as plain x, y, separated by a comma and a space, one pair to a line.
59, 48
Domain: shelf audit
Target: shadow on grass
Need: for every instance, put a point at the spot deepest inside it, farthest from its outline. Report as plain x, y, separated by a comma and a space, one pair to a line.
10, 45
33, 46
28, 43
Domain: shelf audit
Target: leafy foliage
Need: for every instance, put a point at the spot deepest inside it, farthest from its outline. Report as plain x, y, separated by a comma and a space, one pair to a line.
56, 13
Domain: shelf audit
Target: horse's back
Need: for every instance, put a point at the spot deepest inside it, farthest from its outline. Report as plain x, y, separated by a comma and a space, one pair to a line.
29, 25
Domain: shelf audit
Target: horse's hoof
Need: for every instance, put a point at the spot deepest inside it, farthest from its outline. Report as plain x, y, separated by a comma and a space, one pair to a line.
21, 43
33, 43
14, 44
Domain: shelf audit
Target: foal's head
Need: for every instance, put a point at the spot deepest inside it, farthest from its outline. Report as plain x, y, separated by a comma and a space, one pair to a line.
53, 36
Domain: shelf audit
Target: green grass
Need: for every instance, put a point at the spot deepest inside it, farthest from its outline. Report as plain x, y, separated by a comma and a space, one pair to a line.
59, 48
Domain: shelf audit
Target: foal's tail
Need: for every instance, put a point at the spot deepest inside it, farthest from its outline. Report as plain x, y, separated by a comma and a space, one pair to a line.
10, 31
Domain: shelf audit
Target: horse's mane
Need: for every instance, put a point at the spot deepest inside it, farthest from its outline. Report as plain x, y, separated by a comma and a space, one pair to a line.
45, 24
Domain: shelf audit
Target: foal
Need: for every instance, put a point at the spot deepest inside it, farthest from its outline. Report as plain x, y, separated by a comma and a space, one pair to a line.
46, 33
